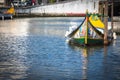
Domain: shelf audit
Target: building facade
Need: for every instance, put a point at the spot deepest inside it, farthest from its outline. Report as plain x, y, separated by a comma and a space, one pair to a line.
60, 4
2, 3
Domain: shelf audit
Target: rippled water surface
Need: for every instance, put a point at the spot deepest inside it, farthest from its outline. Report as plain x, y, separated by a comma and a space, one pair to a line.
35, 49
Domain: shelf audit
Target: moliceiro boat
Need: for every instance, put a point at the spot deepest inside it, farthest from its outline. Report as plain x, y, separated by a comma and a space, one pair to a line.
8, 14
89, 32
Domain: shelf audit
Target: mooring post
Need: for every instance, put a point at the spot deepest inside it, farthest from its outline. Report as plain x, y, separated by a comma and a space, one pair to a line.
112, 9
2, 17
106, 23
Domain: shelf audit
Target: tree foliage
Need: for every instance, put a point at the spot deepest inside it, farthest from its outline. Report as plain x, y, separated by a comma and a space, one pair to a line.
51, 1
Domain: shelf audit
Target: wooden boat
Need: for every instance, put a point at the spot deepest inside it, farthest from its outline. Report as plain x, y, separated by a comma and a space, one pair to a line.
90, 32
10, 11
7, 14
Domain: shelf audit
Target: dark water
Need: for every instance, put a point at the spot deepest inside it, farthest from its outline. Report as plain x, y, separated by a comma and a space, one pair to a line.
35, 49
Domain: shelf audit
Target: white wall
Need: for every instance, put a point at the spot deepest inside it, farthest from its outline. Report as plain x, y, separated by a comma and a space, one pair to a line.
79, 6
2, 1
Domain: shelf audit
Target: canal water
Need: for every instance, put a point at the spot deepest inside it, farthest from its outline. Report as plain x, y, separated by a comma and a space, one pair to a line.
35, 49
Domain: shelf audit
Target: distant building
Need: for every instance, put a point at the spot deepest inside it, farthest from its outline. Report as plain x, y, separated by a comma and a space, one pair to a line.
2, 3
117, 8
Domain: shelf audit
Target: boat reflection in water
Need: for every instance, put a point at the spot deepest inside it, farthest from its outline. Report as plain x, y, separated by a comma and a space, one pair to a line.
89, 63
84, 58
85, 63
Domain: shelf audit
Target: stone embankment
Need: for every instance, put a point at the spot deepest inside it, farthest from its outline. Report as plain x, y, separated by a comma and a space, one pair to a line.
116, 25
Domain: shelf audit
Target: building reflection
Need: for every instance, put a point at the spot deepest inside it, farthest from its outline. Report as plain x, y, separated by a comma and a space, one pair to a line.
14, 27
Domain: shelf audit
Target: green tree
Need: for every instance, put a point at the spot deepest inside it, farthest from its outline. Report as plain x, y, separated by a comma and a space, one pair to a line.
52, 1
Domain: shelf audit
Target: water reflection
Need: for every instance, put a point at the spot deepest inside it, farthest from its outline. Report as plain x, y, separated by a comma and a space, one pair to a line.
14, 27
92, 62
23, 54
13, 49
35, 49
84, 58
85, 63
13, 58
50, 26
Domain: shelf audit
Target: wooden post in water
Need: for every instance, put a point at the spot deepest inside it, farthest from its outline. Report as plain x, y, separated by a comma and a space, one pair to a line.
106, 23
112, 16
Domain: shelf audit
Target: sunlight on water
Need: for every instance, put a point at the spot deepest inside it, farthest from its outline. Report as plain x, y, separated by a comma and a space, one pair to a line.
13, 58
35, 49
9, 27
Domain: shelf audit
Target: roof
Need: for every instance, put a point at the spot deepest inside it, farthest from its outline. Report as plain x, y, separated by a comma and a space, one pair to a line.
96, 22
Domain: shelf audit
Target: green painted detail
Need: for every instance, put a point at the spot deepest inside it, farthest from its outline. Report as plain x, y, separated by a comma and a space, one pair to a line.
95, 41
79, 40
90, 41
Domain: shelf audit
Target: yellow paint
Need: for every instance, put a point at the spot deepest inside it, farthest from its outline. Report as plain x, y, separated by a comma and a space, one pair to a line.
85, 52
96, 22
11, 11
86, 34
